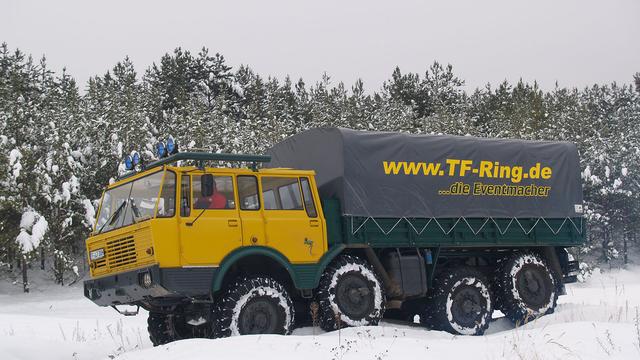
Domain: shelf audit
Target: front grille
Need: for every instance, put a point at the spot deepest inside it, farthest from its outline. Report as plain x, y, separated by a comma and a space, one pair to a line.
100, 263
121, 252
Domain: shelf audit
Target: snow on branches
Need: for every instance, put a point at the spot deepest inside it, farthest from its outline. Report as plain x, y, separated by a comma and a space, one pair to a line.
33, 228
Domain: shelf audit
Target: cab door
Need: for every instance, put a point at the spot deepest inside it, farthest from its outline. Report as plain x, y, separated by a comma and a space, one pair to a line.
209, 224
251, 213
292, 228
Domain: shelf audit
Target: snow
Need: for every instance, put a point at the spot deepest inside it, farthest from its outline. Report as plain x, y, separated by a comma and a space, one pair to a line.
24, 241
28, 219
14, 156
74, 184
66, 192
34, 223
71, 161
596, 320
118, 149
14, 161
616, 183
39, 230
89, 212
17, 167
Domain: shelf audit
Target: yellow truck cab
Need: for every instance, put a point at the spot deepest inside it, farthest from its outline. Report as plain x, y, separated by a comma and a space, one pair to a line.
185, 218
332, 235
162, 234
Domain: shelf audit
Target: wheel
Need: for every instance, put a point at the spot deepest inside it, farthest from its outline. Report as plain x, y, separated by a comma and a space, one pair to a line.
526, 287
460, 302
254, 305
164, 328
349, 294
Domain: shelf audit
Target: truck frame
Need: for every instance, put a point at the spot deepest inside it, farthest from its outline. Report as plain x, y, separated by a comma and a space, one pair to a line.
274, 255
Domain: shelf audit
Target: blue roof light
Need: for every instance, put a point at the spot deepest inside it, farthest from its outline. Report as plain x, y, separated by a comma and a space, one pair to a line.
161, 150
128, 163
136, 158
172, 147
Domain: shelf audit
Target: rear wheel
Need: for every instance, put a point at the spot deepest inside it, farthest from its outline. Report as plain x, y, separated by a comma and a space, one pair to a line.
460, 302
164, 328
527, 288
349, 294
254, 305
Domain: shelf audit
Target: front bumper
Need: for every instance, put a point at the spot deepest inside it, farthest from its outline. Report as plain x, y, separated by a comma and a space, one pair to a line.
126, 288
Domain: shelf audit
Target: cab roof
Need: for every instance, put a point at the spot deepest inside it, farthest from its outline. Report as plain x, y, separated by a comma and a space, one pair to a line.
201, 157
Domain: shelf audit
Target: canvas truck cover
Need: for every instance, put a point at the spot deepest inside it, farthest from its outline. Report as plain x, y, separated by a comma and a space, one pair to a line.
384, 174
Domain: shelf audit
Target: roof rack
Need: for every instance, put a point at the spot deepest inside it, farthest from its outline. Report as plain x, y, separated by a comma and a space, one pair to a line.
201, 157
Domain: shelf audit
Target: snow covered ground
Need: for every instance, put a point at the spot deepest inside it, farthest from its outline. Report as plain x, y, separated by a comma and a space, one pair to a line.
596, 320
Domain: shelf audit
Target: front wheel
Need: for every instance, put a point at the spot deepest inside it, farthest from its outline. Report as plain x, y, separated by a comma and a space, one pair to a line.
254, 305
168, 327
459, 303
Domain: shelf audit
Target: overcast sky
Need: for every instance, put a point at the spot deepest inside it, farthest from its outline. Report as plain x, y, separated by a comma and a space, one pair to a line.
573, 42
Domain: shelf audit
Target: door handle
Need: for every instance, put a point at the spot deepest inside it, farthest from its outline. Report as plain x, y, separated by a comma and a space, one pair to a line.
314, 223
232, 223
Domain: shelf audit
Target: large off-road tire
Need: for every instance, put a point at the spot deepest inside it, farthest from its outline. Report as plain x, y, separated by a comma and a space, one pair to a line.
460, 302
254, 305
526, 287
164, 328
349, 294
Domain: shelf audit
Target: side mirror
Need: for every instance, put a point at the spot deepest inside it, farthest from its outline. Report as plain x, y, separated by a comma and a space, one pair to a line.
206, 185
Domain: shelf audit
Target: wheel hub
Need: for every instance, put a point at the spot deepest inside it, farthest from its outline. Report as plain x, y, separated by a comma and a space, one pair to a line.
353, 296
469, 306
357, 295
258, 316
533, 287
466, 307
531, 281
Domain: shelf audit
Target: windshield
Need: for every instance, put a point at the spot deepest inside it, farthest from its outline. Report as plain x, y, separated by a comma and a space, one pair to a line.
136, 201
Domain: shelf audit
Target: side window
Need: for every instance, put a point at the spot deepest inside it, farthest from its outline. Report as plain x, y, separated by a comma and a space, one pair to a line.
290, 196
308, 198
281, 193
221, 196
248, 193
185, 196
269, 198
167, 201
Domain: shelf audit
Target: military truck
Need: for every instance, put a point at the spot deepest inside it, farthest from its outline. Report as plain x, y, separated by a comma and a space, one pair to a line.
340, 228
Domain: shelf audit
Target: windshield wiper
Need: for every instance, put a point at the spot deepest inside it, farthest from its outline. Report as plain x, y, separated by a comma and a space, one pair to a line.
135, 213
112, 219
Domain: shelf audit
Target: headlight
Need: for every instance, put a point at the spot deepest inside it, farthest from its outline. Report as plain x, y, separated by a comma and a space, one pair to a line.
96, 254
145, 280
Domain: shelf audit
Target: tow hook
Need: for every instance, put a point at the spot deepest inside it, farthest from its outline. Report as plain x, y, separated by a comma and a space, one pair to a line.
127, 312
